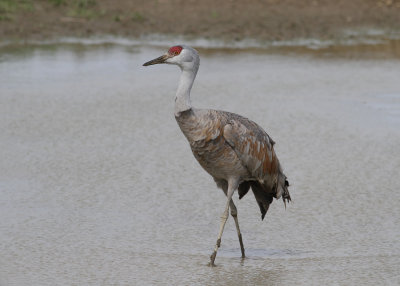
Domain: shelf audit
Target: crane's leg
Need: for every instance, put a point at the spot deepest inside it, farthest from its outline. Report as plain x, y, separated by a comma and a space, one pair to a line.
235, 217
234, 214
224, 218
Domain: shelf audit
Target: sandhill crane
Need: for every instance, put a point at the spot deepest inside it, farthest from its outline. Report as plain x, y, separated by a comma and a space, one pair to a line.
234, 150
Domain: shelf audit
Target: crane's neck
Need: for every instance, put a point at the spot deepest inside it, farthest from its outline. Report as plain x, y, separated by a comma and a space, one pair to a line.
182, 99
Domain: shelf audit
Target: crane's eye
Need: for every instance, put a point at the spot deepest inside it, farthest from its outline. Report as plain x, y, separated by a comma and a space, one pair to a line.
174, 51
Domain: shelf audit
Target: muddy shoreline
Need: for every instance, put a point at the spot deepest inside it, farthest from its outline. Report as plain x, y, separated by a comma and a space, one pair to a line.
269, 20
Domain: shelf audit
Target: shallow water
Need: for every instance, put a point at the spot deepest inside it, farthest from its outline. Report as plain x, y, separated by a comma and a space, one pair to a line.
99, 187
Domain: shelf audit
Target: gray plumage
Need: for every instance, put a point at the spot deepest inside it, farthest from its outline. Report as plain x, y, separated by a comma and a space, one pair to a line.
226, 144
234, 150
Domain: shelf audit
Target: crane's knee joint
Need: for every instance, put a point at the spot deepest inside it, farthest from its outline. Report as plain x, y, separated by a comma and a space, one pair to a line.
218, 242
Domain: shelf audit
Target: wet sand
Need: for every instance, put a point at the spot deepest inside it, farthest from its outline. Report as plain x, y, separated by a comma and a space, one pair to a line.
99, 187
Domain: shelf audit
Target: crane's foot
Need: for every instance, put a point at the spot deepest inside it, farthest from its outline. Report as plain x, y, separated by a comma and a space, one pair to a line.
212, 259
214, 254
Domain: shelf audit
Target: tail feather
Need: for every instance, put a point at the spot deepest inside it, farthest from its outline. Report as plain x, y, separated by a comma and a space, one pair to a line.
282, 188
264, 194
286, 195
243, 189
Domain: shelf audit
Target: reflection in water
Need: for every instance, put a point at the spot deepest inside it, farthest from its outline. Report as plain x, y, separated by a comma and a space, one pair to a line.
98, 185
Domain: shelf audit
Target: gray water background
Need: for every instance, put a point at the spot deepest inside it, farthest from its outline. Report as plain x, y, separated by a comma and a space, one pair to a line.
99, 187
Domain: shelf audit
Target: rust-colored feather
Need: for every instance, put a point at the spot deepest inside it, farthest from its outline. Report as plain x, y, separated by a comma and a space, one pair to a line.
256, 151
225, 143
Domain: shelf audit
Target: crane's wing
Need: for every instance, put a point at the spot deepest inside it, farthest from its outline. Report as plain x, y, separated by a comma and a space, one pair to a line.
253, 146
255, 149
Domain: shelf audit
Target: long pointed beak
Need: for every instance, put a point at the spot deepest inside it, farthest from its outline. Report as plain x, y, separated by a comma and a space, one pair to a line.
159, 60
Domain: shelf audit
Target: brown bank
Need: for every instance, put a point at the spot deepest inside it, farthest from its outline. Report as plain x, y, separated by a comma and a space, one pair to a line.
229, 20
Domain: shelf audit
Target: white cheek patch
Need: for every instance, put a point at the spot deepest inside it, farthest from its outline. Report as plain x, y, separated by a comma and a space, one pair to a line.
171, 61
187, 58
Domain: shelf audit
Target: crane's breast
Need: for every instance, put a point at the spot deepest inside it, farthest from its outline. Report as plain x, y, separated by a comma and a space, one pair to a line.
205, 136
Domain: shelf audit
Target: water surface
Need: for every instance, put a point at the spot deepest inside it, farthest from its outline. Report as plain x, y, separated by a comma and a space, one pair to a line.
99, 187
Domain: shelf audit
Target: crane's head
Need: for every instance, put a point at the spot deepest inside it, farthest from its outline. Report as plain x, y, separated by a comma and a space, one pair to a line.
183, 56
